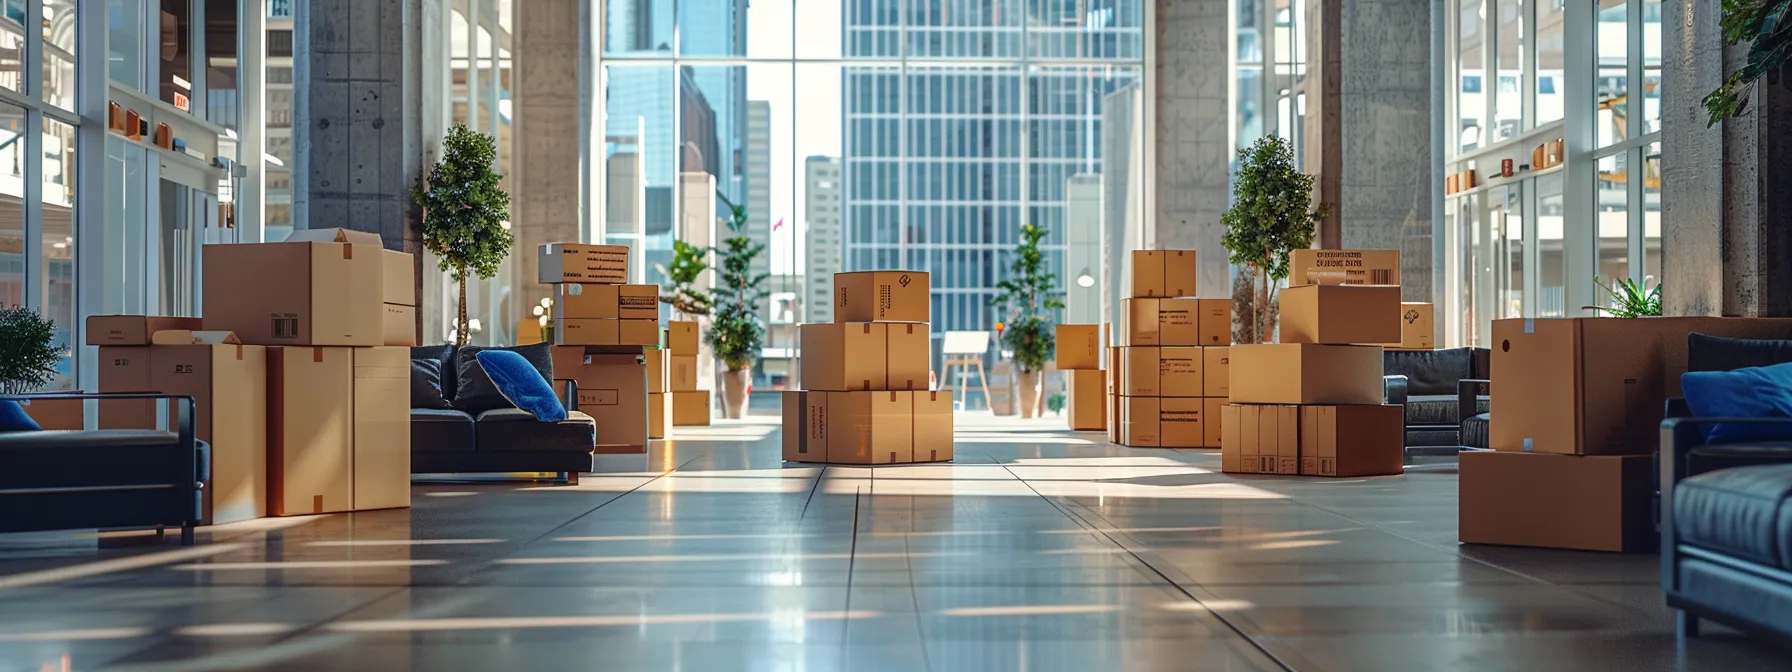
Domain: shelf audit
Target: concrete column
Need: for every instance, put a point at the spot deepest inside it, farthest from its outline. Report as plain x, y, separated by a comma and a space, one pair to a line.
1369, 114
545, 184
1726, 227
1193, 144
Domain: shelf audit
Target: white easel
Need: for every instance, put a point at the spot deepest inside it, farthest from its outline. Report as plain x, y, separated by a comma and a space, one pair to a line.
965, 350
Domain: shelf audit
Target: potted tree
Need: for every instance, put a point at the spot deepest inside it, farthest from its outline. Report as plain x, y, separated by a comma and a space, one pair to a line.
688, 264
735, 331
1765, 26
28, 357
1029, 295
465, 214
1272, 215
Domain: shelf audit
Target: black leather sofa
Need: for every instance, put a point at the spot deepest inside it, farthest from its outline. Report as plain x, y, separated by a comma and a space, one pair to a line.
472, 440
108, 478
1438, 388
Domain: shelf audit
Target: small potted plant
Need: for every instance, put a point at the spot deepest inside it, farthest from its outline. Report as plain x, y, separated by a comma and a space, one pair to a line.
735, 331
465, 214
1631, 298
1272, 216
28, 356
1030, 296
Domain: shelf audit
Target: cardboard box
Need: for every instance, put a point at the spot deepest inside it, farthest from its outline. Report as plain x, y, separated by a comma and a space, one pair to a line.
398, 278
1087, 399
1416, 327
681, 337
1139, 422
690, 408
659, 410
1212, 419
1139, 322
582, 263
1589, 503
908, 356
1596, 386
613, 391
1216, 372
311, 432
1147, 274
1139, 371
398, 325
573, 301
1362, 440
189, 337
1344, 267
639, 302
1179, 372
1079, 346
1340, 314
933, 426
1179, 273
587, 332
1233, 419
659, 367
308, 291
229, 386
644, 333
681, 373
1305, 373
874, 427
1216, 322
382, 428
1281, 454
1178, 321
125, 368
53, 414
1113, 394
844, 356
882, 296
133, 329
1179, 422
805, 426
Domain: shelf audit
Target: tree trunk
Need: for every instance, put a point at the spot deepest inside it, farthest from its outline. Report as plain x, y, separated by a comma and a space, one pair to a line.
463, 334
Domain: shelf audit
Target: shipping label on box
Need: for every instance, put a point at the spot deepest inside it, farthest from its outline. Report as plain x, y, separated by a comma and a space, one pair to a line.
1180, 423
1179, 372
398, 274
1087, 399
587, 332
1216, 372
1340, 314
1140, 377
908, 358
882, 296
1079, 346
1147, 274
1344, 267
1178, 321
1139, 322
1216, 322
844, 356
582, 263
586, 302
874, 427
933, 426
638, 302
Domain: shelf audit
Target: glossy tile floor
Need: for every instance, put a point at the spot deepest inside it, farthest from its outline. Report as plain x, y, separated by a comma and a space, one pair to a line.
1036, 550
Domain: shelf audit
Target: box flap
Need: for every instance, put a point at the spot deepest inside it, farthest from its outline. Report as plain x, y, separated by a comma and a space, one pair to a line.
334, 236
189, 337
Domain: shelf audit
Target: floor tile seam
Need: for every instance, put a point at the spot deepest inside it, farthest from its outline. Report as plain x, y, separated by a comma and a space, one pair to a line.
311, 625
852, 556
915, 601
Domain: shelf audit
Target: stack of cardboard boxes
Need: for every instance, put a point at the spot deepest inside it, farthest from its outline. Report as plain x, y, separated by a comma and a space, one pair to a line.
1170, 369
606, 337
690, 406
1079, 348
1365, 267
865, 397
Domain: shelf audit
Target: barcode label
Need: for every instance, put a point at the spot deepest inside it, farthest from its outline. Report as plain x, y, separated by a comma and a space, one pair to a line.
1381, 276
286, 327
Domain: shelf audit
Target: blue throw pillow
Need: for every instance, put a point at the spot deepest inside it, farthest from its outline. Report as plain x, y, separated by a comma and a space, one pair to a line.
13, 418
1756, 392
522, 384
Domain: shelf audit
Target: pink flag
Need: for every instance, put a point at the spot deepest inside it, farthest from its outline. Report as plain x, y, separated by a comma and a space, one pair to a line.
779, 224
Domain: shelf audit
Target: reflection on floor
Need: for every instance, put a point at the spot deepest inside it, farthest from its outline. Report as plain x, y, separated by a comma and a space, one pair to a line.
1036, 550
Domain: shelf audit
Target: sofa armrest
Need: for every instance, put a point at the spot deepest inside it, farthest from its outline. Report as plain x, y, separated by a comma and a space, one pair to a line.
1468, 394
1679, 436
1393, 389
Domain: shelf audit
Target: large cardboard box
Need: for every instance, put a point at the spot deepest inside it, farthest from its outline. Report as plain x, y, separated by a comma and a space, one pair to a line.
1139, 370
1340, 314
398, 278
1416, 328
125, 368
1596, 386
311, 432
805, 426
681, 337
1180, 422
1213, 434
613, 391
1216, 372
1087, 401
1216, 322
1079, 346
1179, 321
882, 296
309, 291
659, 412
844, 356
133, 329
639, 302
1589, 503
1147, 274
229, 386
587, 302
382, 428
681, 373
1179, 273
690, 408
57, 413
574, 331
638, 332
1305, 373
398, 325
1139, 421
908, 356
658, 367
1362, 440
1233, 419
933, 426
1139, 322
1179, 372
876, 427
1344, 267
582, 263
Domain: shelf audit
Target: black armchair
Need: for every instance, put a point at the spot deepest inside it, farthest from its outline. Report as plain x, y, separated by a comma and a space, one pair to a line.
1431, 385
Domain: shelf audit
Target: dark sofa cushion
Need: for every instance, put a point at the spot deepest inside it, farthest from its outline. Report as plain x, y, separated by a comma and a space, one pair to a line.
515, 430
1745, 513
1430, 372
445, 355
441, 431
1475, 431
426, 385
1716, 353
1437, 409
474, 391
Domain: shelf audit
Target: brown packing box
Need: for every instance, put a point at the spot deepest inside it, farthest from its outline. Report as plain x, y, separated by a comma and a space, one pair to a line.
690, 408
1305, 373
1216, 322
587, 332
638, 332
681, 337
398, 278
1233, 419
308, 291
659, 411
681, 373
398, 325
1416, 328
656, 361
1596, 386
1087, 399
574, 301
1179, 422
1147, 274
1139, 371
382, 428
882, 296
1213, 435
908, 359
1216, 372
229, 386
639, 302
843, 356
578, 262
1589, 503
613, 391
933, 426
1179, 372
1139, 421
1340, 314
1139, 322
874, 427
1364, 440
1344, 267
1278, 440
57, 413
1179, 272
133, 329
311, 432
1079, 346
805, 426
125, 368
1113, 394
1178, 321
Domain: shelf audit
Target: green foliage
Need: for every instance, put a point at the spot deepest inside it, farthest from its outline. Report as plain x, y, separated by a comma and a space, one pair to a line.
27, 358
1767, 26
688, 264
1055, 402
736, 332
1030, 295
464, 210
1272, 215
1631, 298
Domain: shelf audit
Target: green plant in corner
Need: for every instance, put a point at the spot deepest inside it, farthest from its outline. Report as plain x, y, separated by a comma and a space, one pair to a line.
1029, 295
1055, 403
736, 332
1767, 26
1272, 215
27, 357
1631, 298
688, 264
465, 213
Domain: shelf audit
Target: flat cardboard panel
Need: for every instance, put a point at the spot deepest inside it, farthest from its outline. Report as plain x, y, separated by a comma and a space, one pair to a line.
874, 427
1212, 418
310, 430
229, 387
1179, 372
295, 294
1344, 267
1178, 321
579, 262
1231, 461
908, 358
1216, 322
639, 302
682, 373
1140, 377
398, 278
587, 332
1179, 273
659, 410
1180, 422
1305, 373
1079, 346
1140, 422
133, 329
398, 325
690, 408
619, 383
1591, 503
1416, 327
125, 368
681, 337
1147, 274
933, 426
1216, 372
574, 301
882, 296
638, 332
843, 356
1349, 441
1340, 314
382, 428
1139, 322
657, 369
1087, 399
1287, 445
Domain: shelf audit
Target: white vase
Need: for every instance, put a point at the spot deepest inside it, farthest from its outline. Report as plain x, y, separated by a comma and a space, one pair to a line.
734, 393
1029, 382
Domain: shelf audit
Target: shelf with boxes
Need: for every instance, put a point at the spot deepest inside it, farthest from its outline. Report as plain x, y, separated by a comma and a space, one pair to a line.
865, 378
1167, 378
